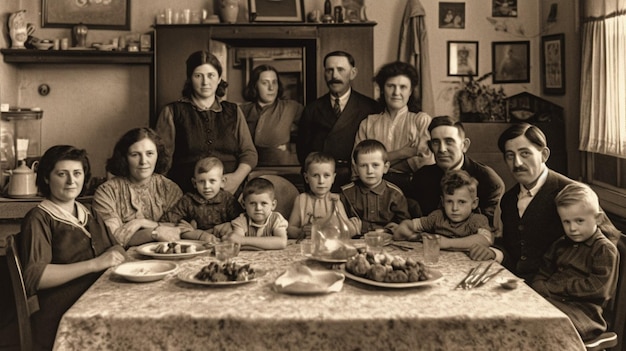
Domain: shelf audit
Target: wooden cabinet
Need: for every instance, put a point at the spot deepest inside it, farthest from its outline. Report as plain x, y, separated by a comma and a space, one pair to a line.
174, 43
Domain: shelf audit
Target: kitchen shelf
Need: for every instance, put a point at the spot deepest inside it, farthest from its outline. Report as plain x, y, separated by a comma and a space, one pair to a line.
77, 56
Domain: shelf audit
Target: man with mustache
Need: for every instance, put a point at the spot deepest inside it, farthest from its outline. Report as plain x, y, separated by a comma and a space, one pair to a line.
330, 123
530, 222
449, 145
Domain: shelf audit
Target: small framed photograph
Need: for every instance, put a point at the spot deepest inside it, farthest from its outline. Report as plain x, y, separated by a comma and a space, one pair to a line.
510, 61
452, 15
462, 58
276, 10
504, 8
104, 14
553, 64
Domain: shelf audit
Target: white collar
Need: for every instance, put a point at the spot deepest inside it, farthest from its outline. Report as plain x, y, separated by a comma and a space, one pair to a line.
343, 99
535, 189
61, 215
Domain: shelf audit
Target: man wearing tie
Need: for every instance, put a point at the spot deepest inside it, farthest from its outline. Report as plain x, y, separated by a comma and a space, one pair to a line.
330, 123
530, 222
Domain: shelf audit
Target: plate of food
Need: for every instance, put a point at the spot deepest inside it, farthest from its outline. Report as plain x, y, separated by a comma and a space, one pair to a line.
220, 274
389, 271
145, 271
302, 280
174, 250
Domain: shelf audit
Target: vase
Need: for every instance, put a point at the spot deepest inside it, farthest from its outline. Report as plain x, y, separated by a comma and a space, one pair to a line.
80, 35
229, 10
332, 233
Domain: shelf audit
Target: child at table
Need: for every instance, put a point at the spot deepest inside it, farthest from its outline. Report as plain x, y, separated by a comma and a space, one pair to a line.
376, 202
260, 226
319, 173
457, 223
197, 213
579, 271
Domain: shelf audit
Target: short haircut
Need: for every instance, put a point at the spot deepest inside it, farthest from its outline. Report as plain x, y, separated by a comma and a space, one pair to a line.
342, 54
458, 179
531, 132
446, 121
60, 153
258, 185
207, 164
369, 146
318, 157
118, 163
395, 69
251, 92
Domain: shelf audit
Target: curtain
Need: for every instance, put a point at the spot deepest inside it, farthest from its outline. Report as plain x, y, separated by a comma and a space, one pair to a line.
603, 78
413, 49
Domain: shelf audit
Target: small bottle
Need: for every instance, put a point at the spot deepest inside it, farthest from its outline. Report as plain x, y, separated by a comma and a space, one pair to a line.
328, 7
338, 14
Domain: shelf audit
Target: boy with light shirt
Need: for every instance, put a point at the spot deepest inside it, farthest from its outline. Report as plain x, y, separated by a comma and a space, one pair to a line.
199, 212
376, 202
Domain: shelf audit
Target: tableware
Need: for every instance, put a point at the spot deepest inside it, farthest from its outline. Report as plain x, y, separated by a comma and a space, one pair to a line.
145, 271
327, 259
436, 276
306, 248
148, 250
225, 251
431, 248
374, 241
42, 45
301, 280
189, 276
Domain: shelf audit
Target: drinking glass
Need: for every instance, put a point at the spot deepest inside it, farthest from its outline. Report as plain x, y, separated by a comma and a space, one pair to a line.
225, 251
374, 241
431, 248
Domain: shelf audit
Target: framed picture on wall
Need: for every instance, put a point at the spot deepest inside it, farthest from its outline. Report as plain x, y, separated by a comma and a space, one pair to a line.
462, 58
553, 64
510, 61
276, 11
104, 14
504, 8
452, 15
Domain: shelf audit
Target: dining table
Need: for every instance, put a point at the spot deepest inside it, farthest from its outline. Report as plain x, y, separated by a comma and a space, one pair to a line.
172, 314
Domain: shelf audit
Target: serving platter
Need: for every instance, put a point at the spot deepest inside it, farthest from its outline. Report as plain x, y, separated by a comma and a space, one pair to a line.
327, 259
189, 276
145, 271
149, 248
437, 276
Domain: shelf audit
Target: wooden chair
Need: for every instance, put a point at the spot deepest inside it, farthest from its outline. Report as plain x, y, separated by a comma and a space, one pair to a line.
25, 306
286, 193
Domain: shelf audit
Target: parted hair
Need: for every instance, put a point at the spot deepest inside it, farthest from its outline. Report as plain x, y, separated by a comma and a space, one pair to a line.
531, 132
200, 58
60, 153
368, 146
350, 58
446, 121
395, 69
251, 92
207, 164
258, 185
457, 179
318, 157
118, 163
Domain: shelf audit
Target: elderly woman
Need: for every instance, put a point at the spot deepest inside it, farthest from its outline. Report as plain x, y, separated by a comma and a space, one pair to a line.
270, 118
400, 127
132, 203
64, 247
200, 125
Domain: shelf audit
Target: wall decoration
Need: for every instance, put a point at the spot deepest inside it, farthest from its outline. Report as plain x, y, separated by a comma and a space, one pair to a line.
510, 61
553, 64
504, 8
462, 58
276, 10
101, 14
452, 15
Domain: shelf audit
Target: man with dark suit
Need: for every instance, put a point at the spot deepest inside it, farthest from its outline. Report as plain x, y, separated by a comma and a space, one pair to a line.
330, 123
530, 222
449, 145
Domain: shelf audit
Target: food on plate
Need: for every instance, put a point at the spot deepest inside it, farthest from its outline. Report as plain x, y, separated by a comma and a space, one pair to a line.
174, 248
384, 267
223, 272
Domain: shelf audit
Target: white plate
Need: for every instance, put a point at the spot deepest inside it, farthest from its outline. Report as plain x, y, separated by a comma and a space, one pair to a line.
313, 283
148, 250
189, 276
145, 271
327, 259
436, 277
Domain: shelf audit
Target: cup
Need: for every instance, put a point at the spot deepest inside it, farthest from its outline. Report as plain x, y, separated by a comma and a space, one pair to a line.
56, 44
169, 16
186, 16
431, 248
196, 17
224, 251
306, 248
65, 44
374, 241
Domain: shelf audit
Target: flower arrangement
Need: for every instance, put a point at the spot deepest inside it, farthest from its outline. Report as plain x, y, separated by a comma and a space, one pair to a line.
479, 102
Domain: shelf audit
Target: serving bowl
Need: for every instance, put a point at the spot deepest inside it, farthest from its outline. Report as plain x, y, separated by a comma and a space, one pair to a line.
145, 271
43, 45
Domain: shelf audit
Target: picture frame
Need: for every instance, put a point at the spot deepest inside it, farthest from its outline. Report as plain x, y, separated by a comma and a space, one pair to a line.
462, 58
276, 10
104, 14
553, 64
510, 61
452, 15
504, 8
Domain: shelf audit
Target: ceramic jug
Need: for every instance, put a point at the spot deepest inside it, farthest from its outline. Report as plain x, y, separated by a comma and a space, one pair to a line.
22, 182
19, 30
229, 9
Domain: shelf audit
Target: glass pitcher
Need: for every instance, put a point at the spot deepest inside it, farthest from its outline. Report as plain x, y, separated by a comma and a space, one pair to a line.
332, 235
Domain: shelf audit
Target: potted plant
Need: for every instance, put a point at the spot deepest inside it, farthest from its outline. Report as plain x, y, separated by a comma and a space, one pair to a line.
479, 102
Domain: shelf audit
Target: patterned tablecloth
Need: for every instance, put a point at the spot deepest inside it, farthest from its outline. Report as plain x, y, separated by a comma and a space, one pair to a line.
170, 314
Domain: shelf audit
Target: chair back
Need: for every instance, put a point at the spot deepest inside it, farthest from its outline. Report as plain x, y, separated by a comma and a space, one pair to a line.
25, 306
617, 312
285, 191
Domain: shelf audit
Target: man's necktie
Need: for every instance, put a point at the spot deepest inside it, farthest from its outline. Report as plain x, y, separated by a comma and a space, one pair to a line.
337, 107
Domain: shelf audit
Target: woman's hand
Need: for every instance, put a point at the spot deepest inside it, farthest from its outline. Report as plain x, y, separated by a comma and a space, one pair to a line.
108, 259
131, 227
481, 253
233, 181
167, 233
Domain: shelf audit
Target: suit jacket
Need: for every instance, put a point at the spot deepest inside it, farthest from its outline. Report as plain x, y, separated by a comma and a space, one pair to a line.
426, 188
321, 130
525, 240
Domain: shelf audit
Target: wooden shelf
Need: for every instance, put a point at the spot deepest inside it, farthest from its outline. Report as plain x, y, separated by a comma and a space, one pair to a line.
32, 56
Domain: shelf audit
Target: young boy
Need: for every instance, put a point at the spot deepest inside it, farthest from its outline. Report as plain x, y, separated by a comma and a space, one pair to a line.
260, 226
209, 206
319, 174
459, 227
579, 271
376, 202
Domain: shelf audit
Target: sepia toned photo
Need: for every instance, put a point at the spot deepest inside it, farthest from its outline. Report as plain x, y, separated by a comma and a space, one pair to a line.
511, 61
452, 15
462, 58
